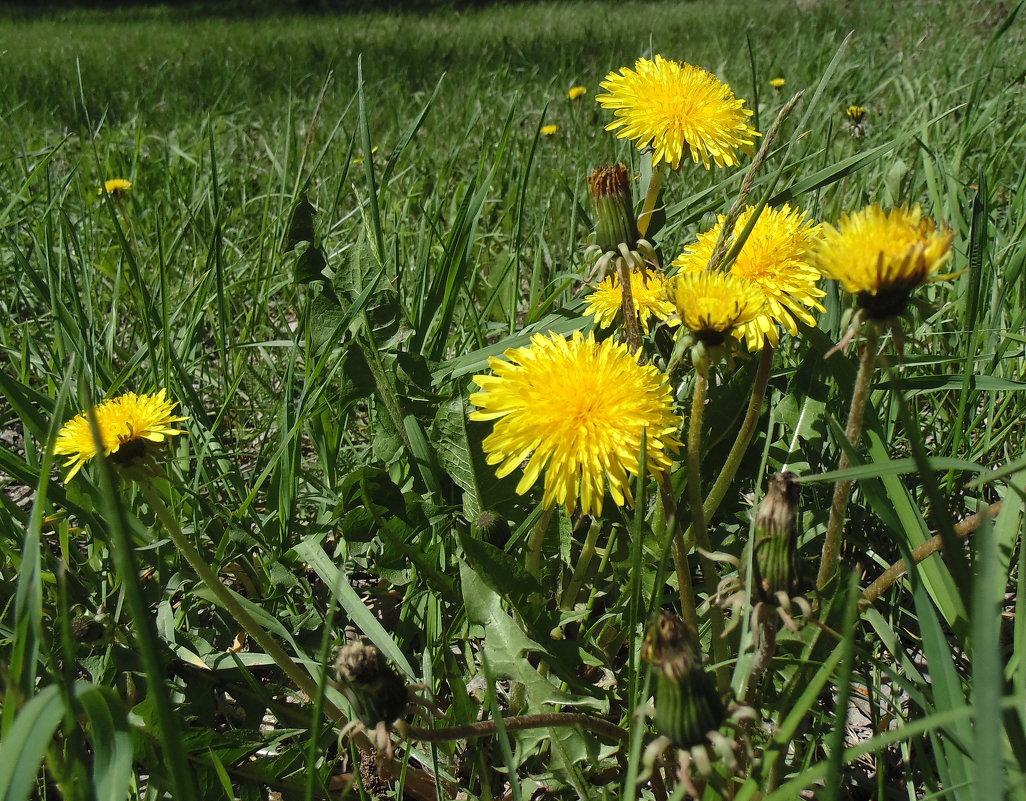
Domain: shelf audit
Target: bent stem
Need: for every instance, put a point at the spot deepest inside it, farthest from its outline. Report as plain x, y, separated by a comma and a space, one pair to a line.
299, 677
852, 432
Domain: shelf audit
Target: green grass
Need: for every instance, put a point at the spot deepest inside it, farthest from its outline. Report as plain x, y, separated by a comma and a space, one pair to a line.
329, 474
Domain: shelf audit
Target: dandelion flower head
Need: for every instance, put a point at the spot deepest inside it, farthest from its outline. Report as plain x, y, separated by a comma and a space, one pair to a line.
881, 256
577, 92
549, 130
677, 109
712, 304
648, 291
855, 114
127, 423
777, 83
775, 257
576, 410
115, 187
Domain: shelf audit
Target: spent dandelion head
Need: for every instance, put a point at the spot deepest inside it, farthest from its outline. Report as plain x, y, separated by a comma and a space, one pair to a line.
577, 92
776, 259
677, 109
129, 425
549, 130
115, 187
648, 291
576, 409
882, 256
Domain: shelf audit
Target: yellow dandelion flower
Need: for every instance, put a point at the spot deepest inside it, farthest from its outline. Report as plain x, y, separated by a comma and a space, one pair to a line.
549, 130
677, 109
115, 187
127, 423
712, 305
855, 114
577, 92
777, 83
648, 290
775, 257
881, 256
576, 409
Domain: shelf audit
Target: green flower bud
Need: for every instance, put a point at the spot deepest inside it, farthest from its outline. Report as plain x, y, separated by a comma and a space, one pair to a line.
776, 545
687, 703
614, 208
375, 690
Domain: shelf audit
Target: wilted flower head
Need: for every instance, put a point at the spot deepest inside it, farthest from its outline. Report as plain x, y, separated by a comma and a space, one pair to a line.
127, 425
775, 257
677, 109
882, 256
576, 410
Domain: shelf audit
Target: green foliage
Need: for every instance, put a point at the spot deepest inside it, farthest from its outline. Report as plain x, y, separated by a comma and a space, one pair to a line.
334, 223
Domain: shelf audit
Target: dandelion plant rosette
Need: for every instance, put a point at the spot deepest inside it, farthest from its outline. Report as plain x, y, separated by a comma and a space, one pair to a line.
128, 426
776, 258
677, 109
576, 409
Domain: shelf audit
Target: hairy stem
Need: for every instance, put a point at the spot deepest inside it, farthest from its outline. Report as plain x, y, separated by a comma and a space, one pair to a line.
539, 721
630, 316
886, 579
852, 432
680, 554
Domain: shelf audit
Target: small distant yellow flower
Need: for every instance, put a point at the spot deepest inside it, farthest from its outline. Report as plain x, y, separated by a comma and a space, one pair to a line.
855, 114
648, 290
677, 109
881, 256
711, 305
777, 83
775, 257
549, 130
115, 187
127, 423
577, 92
576, 409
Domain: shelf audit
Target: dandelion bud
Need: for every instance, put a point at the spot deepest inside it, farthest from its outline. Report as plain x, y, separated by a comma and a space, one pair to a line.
687, 703
614, 208
375, 690
776, 547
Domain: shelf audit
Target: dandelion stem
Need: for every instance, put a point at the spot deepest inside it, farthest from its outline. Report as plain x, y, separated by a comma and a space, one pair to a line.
700, 535
519, 723
630, 316
536, 543
301, 679
744, 435
852, 432
573, 587
680, 553
651, 197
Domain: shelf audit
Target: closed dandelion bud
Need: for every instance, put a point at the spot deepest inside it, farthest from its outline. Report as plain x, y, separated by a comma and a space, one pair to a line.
687, 703
376, 691
776, 547
614, 208
490, 527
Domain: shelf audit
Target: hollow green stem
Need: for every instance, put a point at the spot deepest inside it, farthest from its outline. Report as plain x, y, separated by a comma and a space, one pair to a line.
651, 198
630, 316
681, 567
700, 535
536, 542
573, 587
744, 435
302, 680
852, 432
